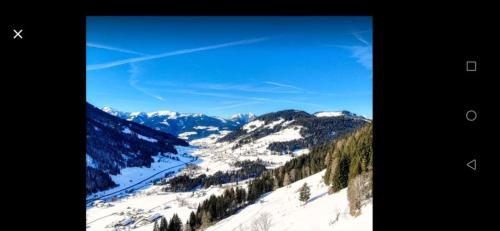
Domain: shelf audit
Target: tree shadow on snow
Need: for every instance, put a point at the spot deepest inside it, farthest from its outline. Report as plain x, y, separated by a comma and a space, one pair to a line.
316, 197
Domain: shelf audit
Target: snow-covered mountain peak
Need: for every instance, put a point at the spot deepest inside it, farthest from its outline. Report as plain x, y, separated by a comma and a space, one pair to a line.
329, 114
169, 114
108, 110
138, 113
113, 111
243, 117
186, 125
334, 114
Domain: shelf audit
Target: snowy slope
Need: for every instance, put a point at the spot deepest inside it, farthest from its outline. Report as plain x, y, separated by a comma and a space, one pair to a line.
146, 203
150, 200
220, 156
340, 114
310, 130
274, 138
113, 144
133, 178
329, 114
286, 212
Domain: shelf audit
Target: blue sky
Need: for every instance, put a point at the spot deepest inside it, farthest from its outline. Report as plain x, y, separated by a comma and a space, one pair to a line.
226, 65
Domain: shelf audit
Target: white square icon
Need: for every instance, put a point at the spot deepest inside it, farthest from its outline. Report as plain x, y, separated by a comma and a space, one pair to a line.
471, 66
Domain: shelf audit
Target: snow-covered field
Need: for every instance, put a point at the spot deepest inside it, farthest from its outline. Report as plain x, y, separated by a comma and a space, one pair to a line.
149, 201
185, 135
285, 212
219, 156
133, 175
282, 207
329, 114
249, 127
144, 204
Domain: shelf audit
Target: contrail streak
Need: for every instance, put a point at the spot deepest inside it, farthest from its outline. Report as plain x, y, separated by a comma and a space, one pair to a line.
172, 53
95, 45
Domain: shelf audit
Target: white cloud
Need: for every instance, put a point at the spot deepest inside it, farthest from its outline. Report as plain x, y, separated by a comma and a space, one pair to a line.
363, 55
283, 85
133, 82
235, 105
265, 88
239, 97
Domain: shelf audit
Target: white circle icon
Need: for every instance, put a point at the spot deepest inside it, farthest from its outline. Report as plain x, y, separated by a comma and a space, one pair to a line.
471, 115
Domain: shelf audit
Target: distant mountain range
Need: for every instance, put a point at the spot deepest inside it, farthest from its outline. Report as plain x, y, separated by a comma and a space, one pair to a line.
114, 143
188, 126
315, 129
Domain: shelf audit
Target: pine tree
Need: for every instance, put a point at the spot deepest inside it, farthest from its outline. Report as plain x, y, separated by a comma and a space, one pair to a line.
163, 224
252, 195
206, 218
156, 228
192, 222
293, 175
175, 223
276, 182
304, 193
341, 173
240, 195
286, 180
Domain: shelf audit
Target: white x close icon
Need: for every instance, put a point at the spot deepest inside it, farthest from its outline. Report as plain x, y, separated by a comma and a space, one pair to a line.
18, 34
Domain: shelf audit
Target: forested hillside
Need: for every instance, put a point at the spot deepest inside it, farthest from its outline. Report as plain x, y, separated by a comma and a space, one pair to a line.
348, 162
114, 143
314, 130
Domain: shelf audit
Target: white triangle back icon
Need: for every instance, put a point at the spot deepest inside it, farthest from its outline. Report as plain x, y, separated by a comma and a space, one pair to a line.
472, 164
